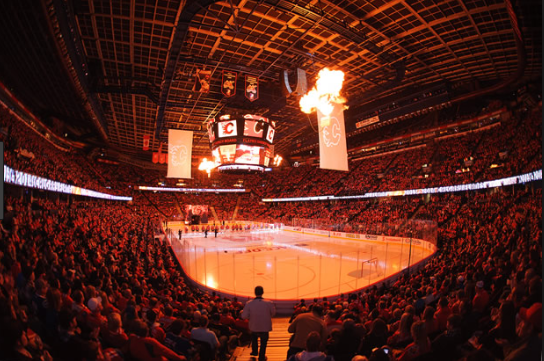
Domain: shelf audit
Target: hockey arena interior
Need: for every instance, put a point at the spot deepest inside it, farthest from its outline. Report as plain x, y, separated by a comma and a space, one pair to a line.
370, 172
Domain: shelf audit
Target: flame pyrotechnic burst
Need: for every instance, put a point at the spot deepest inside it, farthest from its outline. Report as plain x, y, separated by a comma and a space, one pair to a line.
206, 166
325, 92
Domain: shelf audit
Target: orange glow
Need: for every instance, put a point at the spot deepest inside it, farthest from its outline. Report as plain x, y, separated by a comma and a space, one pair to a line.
206, 165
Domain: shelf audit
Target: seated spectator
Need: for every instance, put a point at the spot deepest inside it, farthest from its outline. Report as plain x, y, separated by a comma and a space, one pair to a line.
113, 334
14, 344
144, 348
203, 334
71, 345
529, 343
403, 335
420, 346
376, 338
155, 329
228, 338
176, 342
444, 346
95, 318
431, 323
332, 322
312, 351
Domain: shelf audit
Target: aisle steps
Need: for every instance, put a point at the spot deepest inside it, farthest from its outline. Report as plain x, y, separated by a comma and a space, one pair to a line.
278, 343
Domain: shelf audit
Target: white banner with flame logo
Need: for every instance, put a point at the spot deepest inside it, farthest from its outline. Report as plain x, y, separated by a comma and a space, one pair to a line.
333, 151
180, 146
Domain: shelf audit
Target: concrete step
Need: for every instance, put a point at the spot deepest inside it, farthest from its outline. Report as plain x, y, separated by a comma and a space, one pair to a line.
278, 343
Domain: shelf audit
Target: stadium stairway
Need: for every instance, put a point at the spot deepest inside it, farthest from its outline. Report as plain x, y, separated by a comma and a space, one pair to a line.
215, 215
236, 209
277, 347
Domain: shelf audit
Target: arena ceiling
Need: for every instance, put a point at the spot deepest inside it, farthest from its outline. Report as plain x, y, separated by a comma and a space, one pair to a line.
110, 72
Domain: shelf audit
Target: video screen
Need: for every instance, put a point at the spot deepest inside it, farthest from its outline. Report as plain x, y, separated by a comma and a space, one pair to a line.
248, 154
227, 129
227, 153
253, 128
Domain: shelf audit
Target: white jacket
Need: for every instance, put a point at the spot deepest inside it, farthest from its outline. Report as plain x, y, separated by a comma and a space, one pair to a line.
260, 313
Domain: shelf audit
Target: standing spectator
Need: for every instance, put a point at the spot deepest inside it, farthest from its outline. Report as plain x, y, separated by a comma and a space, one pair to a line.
481, 299
444, 311
302, 325
259, 312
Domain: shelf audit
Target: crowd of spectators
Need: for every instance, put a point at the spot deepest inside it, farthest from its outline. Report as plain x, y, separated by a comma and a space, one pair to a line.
91, 281
479, 298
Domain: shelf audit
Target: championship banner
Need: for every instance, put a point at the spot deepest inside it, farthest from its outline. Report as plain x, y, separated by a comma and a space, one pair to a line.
146, 142
180, 146
252, 87
228, 84
333, 151
202, 81
155, 158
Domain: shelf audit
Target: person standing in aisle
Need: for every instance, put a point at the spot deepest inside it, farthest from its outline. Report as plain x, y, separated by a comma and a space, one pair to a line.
259, 312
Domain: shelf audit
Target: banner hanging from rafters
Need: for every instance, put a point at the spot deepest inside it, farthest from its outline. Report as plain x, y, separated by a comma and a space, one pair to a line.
202, 81
252, 88
146, 142
180, 145
333, 151
228, 84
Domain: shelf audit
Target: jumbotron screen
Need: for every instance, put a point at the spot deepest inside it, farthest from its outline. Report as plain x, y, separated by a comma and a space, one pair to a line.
241, 142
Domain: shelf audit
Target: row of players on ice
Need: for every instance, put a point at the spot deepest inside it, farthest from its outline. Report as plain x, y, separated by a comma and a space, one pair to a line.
221, 228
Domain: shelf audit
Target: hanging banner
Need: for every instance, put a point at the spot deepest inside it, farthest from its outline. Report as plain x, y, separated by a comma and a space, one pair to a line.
252, 87
202, 81
155, 158
333, 151
162, 158
180, 145
228, 84
146, 142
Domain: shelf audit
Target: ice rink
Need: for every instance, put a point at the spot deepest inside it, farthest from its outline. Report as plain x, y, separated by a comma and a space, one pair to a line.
289, 265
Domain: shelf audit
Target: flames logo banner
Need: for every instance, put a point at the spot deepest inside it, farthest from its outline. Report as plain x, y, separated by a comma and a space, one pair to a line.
333, 152
228, 85
180, 145
252, 88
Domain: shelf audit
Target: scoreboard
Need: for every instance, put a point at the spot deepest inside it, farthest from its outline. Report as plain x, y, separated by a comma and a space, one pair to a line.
241, 142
